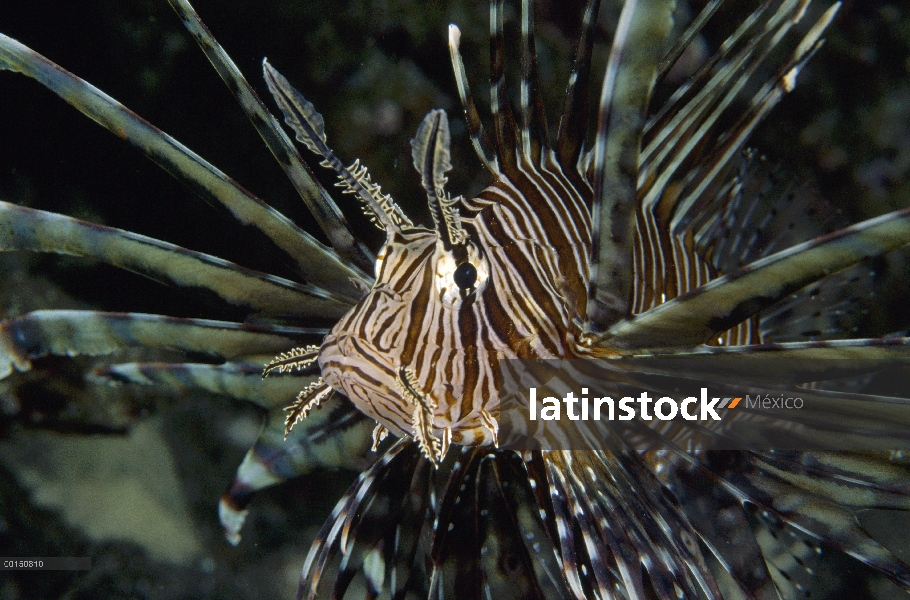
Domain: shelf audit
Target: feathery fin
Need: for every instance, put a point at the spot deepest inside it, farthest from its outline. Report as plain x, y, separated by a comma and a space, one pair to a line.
422, 419
300, 115
311, 397
297, 359
379, 433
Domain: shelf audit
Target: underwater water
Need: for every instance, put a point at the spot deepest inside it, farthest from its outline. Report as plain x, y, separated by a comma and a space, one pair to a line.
131, 477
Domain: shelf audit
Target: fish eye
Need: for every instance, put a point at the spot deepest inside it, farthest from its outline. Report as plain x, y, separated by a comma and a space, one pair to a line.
465, 276
461, 278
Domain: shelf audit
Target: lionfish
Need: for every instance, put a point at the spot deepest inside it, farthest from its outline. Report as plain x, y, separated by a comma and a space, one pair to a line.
660, 235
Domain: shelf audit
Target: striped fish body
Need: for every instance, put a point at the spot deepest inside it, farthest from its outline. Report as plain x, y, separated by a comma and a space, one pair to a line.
411, 336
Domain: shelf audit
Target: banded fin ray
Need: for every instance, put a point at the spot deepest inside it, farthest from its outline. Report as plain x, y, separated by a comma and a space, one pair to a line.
806, 502
320, 203
573, 124
23, 228
788, 488
785, 363
864, 471
378, 543
764, 100
479, 140
826, 418
490, 542
625, 96
321, 266
625, 530
697, 103
697, 316
504, 126
688, 36
535, 136
792, 556
576, 524
336, 436
765, 567
76, 332
237, 380
717, 516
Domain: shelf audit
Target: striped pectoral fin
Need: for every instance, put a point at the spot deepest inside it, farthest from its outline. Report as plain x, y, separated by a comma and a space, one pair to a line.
717, 517
781, 364
629, 81
335, 436
796, 494
873, 487
589, 556
320, 203
877, 471
803, 501
238, 380
791, 556
24, 228
508, 529
73, 332
318, 263
361, 535
700, 315
385, 540
490, 541
664, 549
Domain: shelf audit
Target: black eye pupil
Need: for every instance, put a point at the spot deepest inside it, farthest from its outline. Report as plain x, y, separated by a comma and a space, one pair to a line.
465, 276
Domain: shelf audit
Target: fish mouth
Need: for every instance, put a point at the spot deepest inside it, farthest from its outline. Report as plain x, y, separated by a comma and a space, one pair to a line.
389, 393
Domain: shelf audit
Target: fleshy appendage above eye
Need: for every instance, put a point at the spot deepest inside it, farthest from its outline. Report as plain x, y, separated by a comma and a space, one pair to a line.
460, 277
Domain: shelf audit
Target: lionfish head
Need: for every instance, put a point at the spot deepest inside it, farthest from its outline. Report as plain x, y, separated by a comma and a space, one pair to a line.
415, 353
